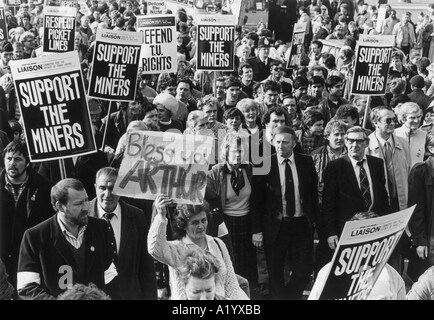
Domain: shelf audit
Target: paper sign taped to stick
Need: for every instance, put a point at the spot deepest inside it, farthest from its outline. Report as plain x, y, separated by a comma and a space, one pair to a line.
363, 250
372, 64
52, 100
59, 29
165, 162
115, 65
293, 56
215, 42
159, 49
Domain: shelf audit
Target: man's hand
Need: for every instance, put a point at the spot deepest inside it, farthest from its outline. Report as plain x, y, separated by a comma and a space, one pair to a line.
422, 252
257, 240
333, 242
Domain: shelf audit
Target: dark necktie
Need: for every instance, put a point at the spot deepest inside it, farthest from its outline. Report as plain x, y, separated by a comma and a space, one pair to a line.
364, 186
112, 240
390, 173
237, 180
289, 190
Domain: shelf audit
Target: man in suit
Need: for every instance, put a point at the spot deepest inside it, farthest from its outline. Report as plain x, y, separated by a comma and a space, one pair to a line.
261, 63
286, 205
353, 183
68, 248
135, 267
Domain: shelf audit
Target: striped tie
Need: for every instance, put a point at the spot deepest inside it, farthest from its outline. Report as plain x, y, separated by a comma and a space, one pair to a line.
364, 186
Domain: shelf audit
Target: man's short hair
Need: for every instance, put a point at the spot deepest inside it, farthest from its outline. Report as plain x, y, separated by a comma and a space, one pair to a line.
307, 101
233, 112
278, 111
283, 130
320, 68
329, 60
317, 80
59, 192
242, 66
272, 86
188, 81
17, 146
398, 55
347, 110
300, 82
232, 81
332, 81
358, 129
168, 82
108, 172
318, 43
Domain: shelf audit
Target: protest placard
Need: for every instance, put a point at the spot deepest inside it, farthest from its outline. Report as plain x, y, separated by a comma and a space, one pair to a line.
156, 7
363, 250
373, 56
293, 55
115, 65
52, 100
3, 25
13, 3
381, 16
159, 50
61, 3
59, 29
165, 162
215, 42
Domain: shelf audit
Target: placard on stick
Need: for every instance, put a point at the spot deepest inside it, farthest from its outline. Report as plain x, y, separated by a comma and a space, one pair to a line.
294, 53
115, 65
215, 42
59, 29
159, 49
165, 162
52, 100
373, 56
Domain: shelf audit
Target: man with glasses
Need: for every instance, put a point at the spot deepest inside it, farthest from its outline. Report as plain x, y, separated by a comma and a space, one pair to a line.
353, 183
384, 144
277, 74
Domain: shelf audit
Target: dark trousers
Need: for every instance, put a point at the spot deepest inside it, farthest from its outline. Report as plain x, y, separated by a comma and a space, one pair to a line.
405, 49
295, 240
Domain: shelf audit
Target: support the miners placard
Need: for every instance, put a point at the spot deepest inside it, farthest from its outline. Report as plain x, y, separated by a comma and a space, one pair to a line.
165, 162
3, 25
159, 50
115, 65
296, 50
52, 100
59, 29
215, 42
373, 57
363, 250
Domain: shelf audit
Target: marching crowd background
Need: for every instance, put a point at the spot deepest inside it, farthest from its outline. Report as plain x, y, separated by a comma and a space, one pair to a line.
333, 155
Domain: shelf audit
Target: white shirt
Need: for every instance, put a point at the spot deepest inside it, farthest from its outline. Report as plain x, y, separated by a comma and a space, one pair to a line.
282, 168
368, 173
115, 223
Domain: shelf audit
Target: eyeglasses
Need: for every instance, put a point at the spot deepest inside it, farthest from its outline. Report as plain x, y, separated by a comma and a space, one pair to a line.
390, 120
358, 141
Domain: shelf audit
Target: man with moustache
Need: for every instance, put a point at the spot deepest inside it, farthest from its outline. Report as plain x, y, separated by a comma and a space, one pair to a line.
136, 275
68, 248
24, 202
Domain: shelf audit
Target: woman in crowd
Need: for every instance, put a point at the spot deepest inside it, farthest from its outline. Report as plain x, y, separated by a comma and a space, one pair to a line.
190, 224
232, 180
198, 274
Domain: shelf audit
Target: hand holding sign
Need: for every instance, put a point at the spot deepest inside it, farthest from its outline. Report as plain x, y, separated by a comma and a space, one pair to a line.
161, 203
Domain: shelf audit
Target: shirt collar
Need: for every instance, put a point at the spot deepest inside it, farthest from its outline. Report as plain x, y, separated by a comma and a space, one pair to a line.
9, 183
188, 241
101, 212
382, 141
354, 161
65, 231
281, 159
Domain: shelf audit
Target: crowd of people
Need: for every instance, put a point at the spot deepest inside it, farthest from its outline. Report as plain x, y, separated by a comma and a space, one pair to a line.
328, 156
